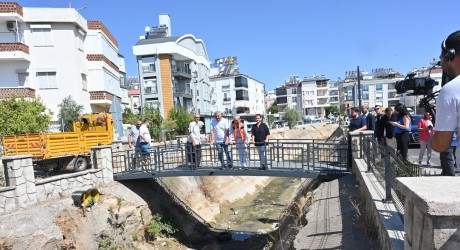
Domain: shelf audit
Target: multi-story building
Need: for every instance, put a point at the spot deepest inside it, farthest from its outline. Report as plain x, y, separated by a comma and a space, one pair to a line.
270, 98
134, 94
173, 71
52, 53
234, 93
309, 96
377, 88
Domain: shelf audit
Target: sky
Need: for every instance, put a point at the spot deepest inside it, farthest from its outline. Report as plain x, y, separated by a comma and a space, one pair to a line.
276, 39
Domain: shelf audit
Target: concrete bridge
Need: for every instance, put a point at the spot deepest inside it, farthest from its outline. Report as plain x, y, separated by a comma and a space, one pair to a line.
302, 158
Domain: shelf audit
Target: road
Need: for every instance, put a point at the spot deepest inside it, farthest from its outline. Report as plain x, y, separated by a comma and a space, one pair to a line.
434, 169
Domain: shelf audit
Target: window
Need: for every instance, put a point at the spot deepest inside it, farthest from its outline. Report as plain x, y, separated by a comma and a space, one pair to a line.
365, 96
47, 80
294, 99
80, 39
294, 91
197, 92
23, 79
309, 102
41, 34
379, 95
378, 86
365, 87
150, 86
226, 98
241, 82
242, 95
148, 64
84, 82
152, 103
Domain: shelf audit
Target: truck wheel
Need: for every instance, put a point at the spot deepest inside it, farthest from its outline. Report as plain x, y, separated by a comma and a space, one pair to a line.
81, 163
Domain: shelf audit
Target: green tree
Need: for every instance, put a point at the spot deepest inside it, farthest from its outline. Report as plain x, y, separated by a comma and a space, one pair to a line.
332, 109
69, 110
156, 121
129, 117
20, 116
270, 119
291, 116
274, 108
177, 122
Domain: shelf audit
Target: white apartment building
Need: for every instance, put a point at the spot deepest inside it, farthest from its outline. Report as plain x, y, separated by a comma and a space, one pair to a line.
237, 94
173, 71
52, 53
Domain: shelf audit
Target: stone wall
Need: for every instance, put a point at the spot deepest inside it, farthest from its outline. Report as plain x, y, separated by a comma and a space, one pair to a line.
23, 190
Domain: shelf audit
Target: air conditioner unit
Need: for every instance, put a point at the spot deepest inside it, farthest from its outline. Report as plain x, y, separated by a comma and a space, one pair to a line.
12, 26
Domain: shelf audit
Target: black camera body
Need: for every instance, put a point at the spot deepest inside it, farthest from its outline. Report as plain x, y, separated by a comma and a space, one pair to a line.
418, 85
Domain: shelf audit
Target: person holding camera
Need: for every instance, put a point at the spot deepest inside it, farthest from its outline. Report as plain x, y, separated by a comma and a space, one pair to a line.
425, 126
448, 102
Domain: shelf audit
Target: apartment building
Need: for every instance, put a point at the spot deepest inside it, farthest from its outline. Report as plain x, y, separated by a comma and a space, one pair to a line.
173, 71
235, 93
52, 53
377, 88
309, 96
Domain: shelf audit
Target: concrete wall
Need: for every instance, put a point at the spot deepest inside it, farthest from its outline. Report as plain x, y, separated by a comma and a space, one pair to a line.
24, 190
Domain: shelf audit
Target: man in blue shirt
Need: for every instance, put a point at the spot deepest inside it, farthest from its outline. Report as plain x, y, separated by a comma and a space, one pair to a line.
357, 122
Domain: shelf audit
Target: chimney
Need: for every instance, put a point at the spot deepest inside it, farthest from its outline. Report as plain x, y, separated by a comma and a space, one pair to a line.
164, 19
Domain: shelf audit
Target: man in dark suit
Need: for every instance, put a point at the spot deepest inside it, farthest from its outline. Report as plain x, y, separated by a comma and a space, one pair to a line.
379, 125
370, 119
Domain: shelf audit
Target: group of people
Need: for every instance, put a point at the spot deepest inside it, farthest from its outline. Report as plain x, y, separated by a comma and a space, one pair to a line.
223, 134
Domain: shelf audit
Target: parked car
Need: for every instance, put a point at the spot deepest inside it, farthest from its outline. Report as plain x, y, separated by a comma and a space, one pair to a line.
414, 133
311, 119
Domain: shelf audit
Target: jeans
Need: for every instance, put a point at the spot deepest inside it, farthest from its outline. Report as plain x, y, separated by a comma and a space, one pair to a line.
402, 142
242, 152
221, 146
262, 154
448, 162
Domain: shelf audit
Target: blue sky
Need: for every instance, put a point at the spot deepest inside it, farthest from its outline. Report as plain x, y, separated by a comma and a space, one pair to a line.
275, 39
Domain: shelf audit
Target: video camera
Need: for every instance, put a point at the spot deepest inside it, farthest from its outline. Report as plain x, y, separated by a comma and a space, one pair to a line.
419, 85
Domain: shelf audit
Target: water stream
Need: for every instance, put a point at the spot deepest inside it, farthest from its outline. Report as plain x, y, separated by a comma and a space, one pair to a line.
260, 214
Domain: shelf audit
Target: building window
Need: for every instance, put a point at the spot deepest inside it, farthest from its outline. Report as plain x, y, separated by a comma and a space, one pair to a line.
241, 82
226, 98
47, 80
378, 86
42, 35
80, 39
84, 82
294, 99
153, 103
379, 96
197, 92
281, 100
242, 95
365, 87
293, 91
309, 102
23, 79
150, 86
148, 64
365, 96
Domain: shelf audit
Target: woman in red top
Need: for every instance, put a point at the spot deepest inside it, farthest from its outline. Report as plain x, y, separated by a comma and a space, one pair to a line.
425, 127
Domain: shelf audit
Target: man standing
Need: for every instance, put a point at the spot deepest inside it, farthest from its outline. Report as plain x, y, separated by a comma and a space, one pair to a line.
259, 136
379, 126
239, 135
357, 122
145, 147
219, 136
389, 138
194, 141
134, 141
368, 117
448, 102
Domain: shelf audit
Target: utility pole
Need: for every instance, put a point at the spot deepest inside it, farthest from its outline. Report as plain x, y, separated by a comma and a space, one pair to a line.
359, 89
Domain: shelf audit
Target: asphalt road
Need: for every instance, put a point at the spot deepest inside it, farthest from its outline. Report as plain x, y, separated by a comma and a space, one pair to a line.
434, 169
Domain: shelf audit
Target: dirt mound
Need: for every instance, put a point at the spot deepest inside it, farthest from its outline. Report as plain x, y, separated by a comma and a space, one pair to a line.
314, 131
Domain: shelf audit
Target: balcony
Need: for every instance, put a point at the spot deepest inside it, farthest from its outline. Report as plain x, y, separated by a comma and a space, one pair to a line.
183, 92
227, 99
181, 70
14, 51
281, 92
101, 97
27, 93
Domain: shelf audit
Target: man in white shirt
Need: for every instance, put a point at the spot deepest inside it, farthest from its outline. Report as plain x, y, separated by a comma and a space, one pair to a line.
448, 102
134, 141
194, 141
219, 136
145, 147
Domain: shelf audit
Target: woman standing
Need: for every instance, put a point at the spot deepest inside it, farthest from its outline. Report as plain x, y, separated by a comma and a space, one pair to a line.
402, 128
425, 126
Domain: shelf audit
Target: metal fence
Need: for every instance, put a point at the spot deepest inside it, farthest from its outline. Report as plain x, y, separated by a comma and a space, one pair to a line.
303, 155
387, 165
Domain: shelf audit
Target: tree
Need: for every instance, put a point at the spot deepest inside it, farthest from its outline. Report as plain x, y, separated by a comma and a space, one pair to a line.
156, 121
332, 109
69, 112
129, 117
291, 116
20, 116
270, 119
273, 109
177, 122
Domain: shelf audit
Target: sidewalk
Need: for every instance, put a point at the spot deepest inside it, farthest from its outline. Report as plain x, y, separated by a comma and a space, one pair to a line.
333, 223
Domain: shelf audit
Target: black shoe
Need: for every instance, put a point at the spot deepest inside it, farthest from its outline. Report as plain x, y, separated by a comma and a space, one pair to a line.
263, 168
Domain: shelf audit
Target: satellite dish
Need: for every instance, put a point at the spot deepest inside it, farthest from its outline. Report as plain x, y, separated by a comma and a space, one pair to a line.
147, 28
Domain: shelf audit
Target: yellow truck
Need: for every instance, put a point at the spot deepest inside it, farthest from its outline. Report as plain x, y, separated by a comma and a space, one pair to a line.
64, 149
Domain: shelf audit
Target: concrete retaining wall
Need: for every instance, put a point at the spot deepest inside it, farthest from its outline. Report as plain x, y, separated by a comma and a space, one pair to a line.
23, 190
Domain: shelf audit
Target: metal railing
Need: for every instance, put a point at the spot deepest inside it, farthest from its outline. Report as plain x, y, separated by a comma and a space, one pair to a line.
294, 155
387, 165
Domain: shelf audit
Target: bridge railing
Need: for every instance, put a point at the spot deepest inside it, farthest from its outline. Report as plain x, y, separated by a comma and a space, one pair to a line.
295, 155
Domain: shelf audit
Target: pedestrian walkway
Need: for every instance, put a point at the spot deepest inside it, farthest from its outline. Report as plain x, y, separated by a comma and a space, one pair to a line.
332, 222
